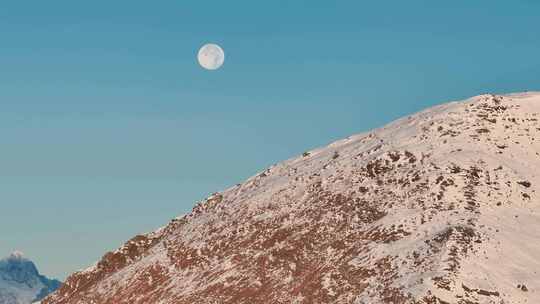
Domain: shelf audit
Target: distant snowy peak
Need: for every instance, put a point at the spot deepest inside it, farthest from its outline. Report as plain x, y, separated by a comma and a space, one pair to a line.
438, 207
20, 281
16, 255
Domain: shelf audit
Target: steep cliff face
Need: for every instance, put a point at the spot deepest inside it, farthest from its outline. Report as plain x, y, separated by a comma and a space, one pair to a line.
21, 283
438, 207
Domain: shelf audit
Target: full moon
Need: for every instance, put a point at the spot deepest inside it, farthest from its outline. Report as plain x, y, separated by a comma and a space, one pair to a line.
211, 56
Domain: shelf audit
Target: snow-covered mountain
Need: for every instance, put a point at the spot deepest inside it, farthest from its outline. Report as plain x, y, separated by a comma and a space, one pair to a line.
21, 283
437, 207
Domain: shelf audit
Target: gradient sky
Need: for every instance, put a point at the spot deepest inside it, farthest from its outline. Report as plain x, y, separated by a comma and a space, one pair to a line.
109, 128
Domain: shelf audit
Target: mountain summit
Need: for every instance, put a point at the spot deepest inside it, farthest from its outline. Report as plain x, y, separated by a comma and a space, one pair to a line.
20, 281
438, 207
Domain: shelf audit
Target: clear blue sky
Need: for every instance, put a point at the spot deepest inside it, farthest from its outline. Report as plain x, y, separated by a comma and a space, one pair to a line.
109, 128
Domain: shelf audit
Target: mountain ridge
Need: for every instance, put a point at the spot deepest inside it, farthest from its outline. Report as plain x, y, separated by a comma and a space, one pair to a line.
423, 210
21, 282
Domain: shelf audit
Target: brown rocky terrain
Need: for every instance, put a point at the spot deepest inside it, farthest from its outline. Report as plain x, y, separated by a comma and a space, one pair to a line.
438, 207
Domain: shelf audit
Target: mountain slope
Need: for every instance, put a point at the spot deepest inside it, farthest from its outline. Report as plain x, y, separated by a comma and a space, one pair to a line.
21, 283
438, 207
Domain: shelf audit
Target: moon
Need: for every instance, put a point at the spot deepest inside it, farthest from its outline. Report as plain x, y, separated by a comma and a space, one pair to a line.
211, 56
